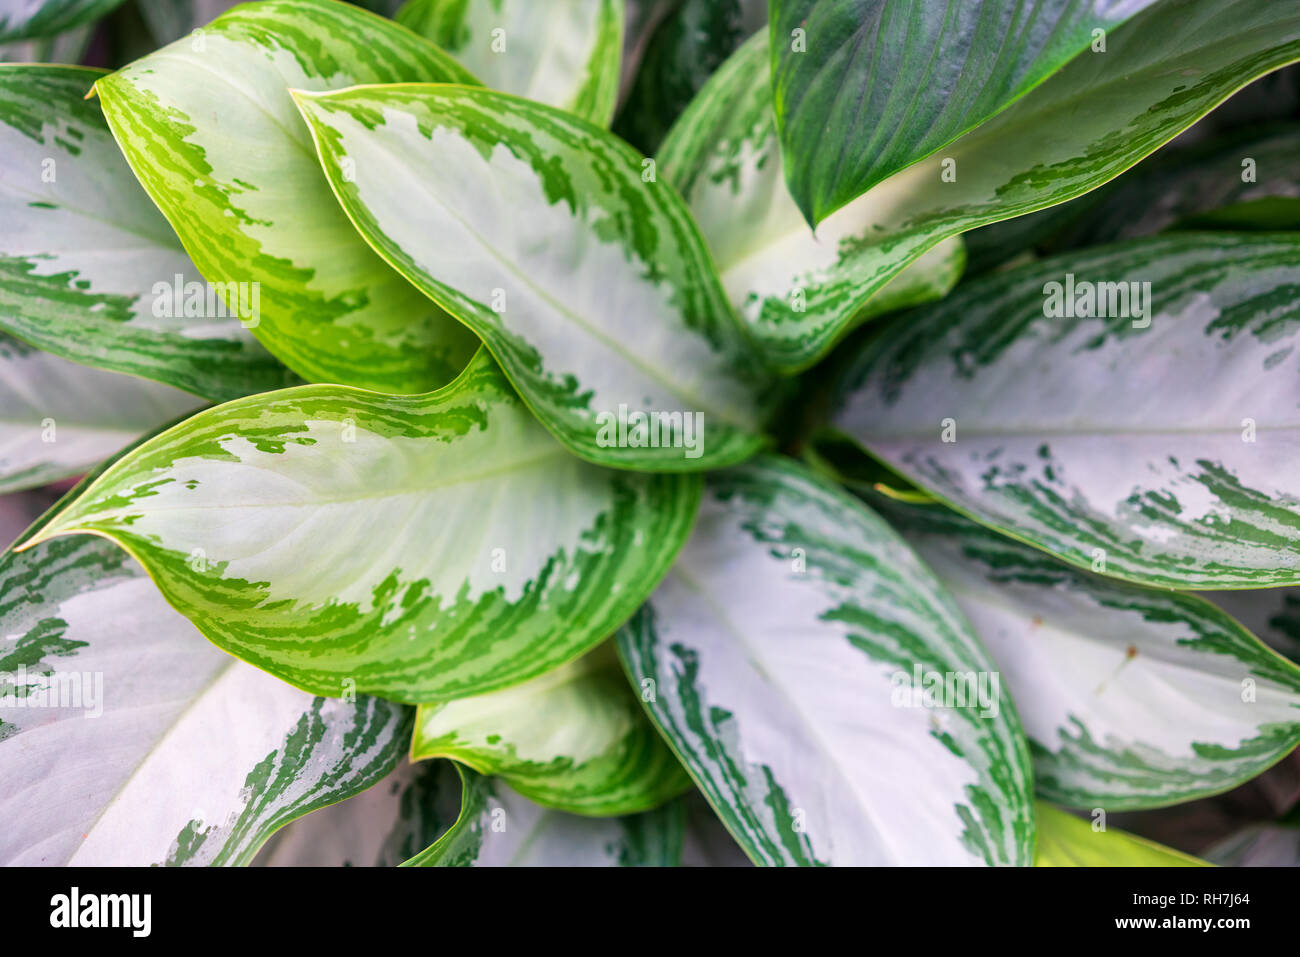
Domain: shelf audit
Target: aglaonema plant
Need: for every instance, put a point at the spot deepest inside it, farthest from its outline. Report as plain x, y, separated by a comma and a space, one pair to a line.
460, 485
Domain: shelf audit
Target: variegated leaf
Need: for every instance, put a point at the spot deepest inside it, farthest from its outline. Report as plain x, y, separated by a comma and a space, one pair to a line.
788, 650
126, 739
499, 828
562, 52
865, 88
208, 126
418, 547
1249, 181
574, 739
1273, 614
1067, 841
89, 269
380, 827
1153, 440
59, 419
589, 284
25, 19
1095, 118
798, 292
1131, 697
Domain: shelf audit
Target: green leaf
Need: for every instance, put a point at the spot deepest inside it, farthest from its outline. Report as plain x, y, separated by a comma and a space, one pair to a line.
1066, 841
418, 547
498, 828
781, 651
1152, 444
43, 18
573, 739
208, 126
590, 285
169, 20
865, 88
1273, 614
380, 827
59, 419
190, 756
1087, 124
1238, 182
797, 292
1131, 697
89, 269
686, 46
562, 52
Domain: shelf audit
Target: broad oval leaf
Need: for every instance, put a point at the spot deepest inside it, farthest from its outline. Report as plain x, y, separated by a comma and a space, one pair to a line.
499, 828
785, 647
562, 52
798, 292
1131, 697
418, 547
1085, 125
589, 284
59, 419
381, 827
1066, 841
1155, 443
208, 126
89, 269
25, 19
574, 739
865, 88
126, 739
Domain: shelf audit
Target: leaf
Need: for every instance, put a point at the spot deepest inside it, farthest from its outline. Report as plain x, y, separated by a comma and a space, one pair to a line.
67, 47
380, 827
1273, 614
42, 18
1131, 697
498, 828
1260, 845
1152, 445
1067, 841
169, 20
782, 649
865, 88
685, 48
1084, 126
1237, 182
797, 292
208, 126
417, 547
562, 52
87, 264
188, 756
59, 419
590, 286
573, 739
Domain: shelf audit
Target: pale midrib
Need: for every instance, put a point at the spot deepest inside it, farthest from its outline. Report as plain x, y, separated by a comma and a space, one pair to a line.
694, 583
609, 343
400, 492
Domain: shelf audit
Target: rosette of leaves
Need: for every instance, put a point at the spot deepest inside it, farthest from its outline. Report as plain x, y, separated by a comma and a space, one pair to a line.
450, 494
